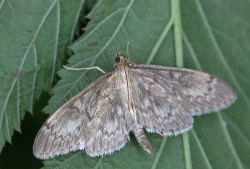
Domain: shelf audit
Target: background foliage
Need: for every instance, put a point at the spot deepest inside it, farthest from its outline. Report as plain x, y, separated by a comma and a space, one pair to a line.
38, 37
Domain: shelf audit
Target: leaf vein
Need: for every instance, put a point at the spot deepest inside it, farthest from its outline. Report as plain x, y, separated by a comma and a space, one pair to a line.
100, 23
229, 141
159, 152
236, 128
220, 54
21, 66
8, 137
18, 106
191, 51
102, 49
2, 3
76, 20
203, 153
160, 40
99, 163
34, 81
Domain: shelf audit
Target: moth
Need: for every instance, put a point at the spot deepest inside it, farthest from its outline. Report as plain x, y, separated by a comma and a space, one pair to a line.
132, 97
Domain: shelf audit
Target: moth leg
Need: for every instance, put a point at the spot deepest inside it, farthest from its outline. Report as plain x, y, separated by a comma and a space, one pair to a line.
85, 68
141, 138
162, 134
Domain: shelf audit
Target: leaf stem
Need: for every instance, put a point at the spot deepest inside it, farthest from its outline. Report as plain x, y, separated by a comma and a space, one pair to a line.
176, 16
175, 13
187, 154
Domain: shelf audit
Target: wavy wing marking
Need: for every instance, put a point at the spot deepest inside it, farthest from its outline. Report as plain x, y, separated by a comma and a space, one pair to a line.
165, 98
94, 119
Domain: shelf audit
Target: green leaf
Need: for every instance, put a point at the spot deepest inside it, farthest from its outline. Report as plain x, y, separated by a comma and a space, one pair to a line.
212, 36
210, 43
34, 37
27, 63
216, 44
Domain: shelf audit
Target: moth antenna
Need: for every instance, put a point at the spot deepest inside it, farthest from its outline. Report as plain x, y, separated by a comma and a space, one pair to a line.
85, 68
127, 46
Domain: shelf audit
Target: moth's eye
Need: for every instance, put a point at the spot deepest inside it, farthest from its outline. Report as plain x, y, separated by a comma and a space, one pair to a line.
117, 59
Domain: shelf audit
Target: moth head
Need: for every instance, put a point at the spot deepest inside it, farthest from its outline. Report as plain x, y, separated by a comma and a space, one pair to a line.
120, 59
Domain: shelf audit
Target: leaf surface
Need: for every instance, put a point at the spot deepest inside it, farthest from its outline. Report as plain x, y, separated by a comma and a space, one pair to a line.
212, 36
28, 58
210, 43
35, 37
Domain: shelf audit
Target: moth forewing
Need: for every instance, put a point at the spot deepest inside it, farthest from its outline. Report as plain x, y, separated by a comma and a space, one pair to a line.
199, 92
